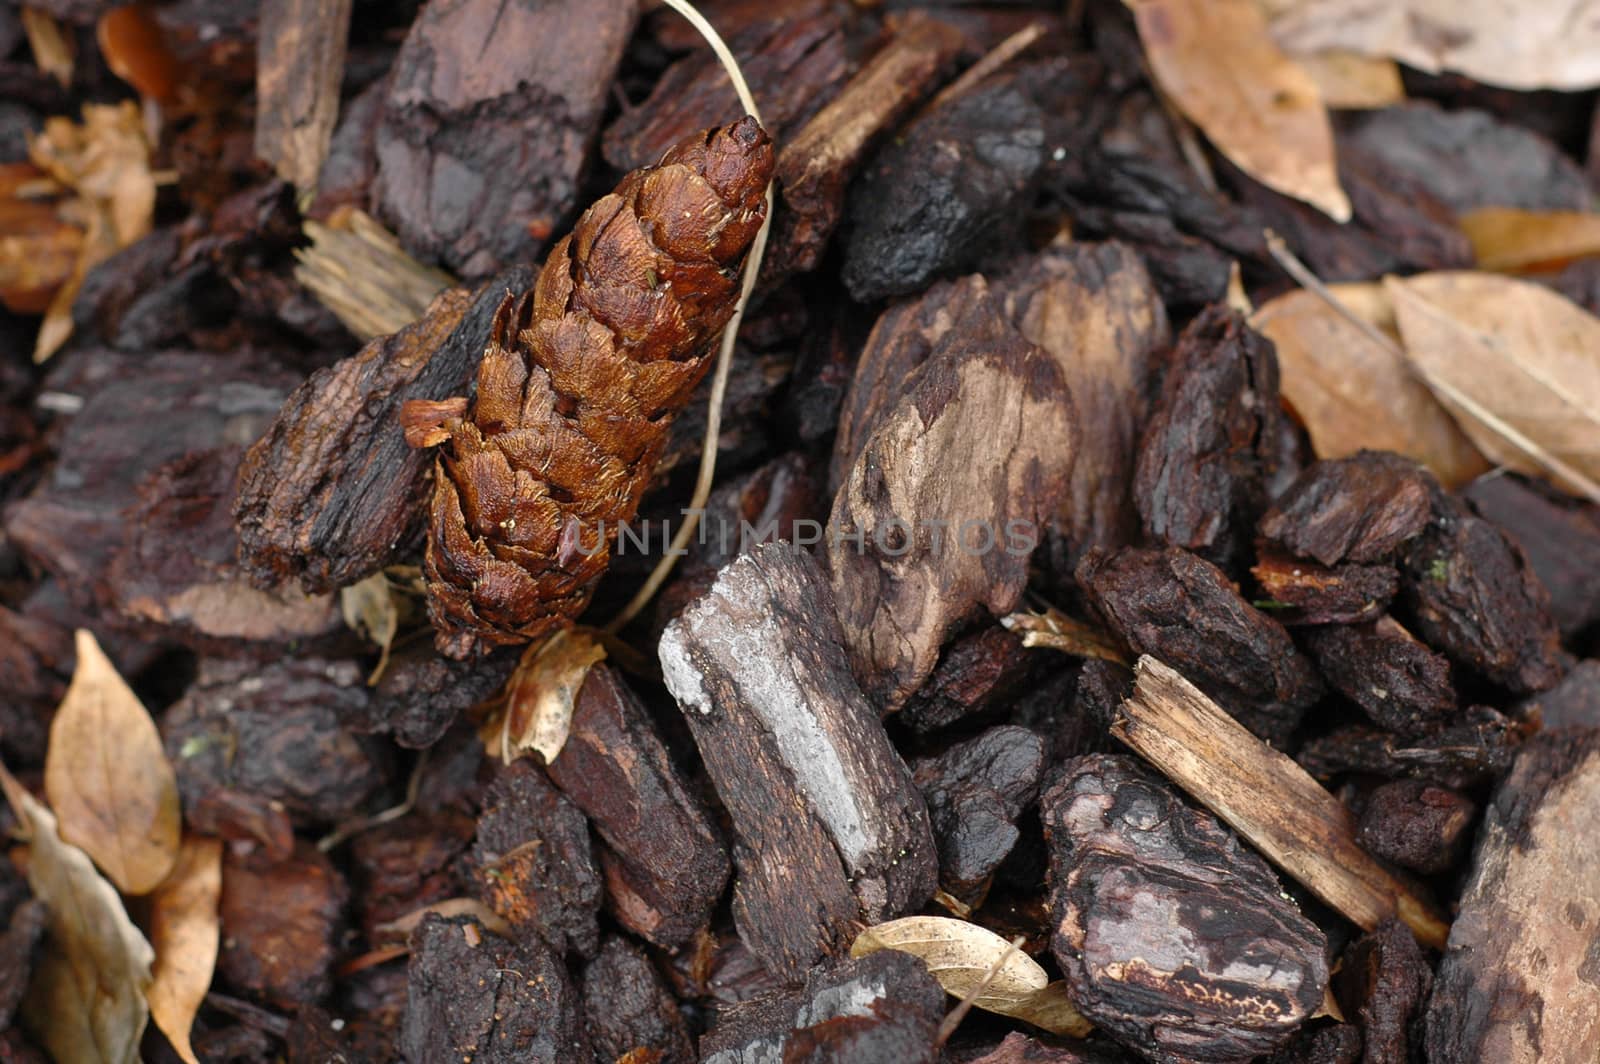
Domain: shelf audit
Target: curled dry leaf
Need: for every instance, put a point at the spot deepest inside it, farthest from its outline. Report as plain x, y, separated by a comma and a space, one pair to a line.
962, 955
107, 776
541, 694
1517, 364
1513, 240
376, 607
86, 999
185, 932
1518, 44
1352, 392
1350, 81
1216, 61
106, 161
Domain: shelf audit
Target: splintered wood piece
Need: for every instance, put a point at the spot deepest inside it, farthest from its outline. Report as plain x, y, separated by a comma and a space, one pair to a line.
300, 65
357, 269
830, 826
1518, 983
1268, 799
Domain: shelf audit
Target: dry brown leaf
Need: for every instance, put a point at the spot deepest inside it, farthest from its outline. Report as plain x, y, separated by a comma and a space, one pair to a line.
40, 240
1518, 44
541, 694
185, 930
1512, 240
106, 161
53, 48
1352, 392
962, 955
1352, 82
1517, 364
86, 999
1217, 63
376, 607
107, 776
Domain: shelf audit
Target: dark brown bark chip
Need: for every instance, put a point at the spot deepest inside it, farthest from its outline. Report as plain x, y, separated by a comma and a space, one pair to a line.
1417, 825
1296, 591
533, 862
1475, 598
1572, 703
628, 1010
664, 861
1210, 445
952, 491
1182, 609
1102, 687
1359, 509
1173, 937
978, 673
1478, 746
332, 493
1018, 1048
475, 996
829, 827
975, 791
18, 944
1338, 1043
403, 865
422, 692
275, 734
280, 925
1401, 684
1383, 984
491, 109
1560, 535
1520, 979
882, 1007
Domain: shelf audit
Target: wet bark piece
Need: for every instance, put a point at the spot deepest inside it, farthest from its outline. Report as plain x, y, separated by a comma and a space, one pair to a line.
1172, 936
1560, 535
301, 62
949, 187
1468, 158
422, 692
280, 925
1417, 825
401, 866
1182, 609
978, 673
472, 994
947, 500
274, 735
1475, 597
332, 493
1383, 982
884, 1006
1475, 749
1211, 442
821, 158
1359, 509
1381, 667
629, 1012
975, 791
830, 828
534, 864
1519, 978
1296, 591
664, 861
1094, 309
794, 59
491, 108
139, 414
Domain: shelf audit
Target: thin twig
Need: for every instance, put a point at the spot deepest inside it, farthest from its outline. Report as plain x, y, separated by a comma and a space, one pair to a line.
997, 57
959, 1013
719, 380
1312, 283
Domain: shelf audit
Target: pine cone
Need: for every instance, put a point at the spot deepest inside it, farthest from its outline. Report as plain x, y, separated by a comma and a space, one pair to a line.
581, 378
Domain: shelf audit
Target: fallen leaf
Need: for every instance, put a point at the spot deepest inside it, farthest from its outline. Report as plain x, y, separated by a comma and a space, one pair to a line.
40, 241
134, 46
86, 999
541, 694
374, 607
1352, 392
1217, 63
1518, 44
53, 47
962, 955
1517, 364
1352, 82
107, 776
1513, 240
185, 930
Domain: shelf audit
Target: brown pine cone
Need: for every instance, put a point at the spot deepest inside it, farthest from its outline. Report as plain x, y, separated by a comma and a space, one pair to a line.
581, 378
